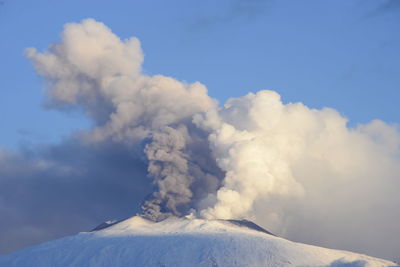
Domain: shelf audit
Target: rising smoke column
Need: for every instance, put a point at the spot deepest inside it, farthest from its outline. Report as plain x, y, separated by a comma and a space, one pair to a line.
287, 166
93, 70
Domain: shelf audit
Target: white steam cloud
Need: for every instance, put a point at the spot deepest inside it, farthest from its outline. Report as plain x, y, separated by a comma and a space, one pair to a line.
296, 170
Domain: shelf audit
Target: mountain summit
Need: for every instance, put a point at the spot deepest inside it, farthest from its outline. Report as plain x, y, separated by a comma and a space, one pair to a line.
181, 242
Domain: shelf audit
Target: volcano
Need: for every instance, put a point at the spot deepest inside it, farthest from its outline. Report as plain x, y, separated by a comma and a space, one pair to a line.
181, 242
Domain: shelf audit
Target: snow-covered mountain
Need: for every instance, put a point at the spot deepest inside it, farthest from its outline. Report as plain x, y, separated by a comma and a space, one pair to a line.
181, 242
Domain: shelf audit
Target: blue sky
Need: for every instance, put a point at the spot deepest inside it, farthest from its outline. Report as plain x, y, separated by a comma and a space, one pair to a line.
341, 54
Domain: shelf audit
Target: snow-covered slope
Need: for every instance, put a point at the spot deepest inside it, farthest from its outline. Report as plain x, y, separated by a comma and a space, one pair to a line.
181, 242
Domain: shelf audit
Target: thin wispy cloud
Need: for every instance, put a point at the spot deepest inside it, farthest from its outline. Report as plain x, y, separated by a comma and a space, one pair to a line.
245, 10
389, 5
383, 7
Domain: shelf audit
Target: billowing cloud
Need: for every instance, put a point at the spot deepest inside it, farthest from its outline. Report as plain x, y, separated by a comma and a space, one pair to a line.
93, 70
300, 172
304, 174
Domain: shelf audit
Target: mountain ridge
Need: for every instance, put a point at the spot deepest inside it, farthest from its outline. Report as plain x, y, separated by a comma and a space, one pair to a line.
182, 242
